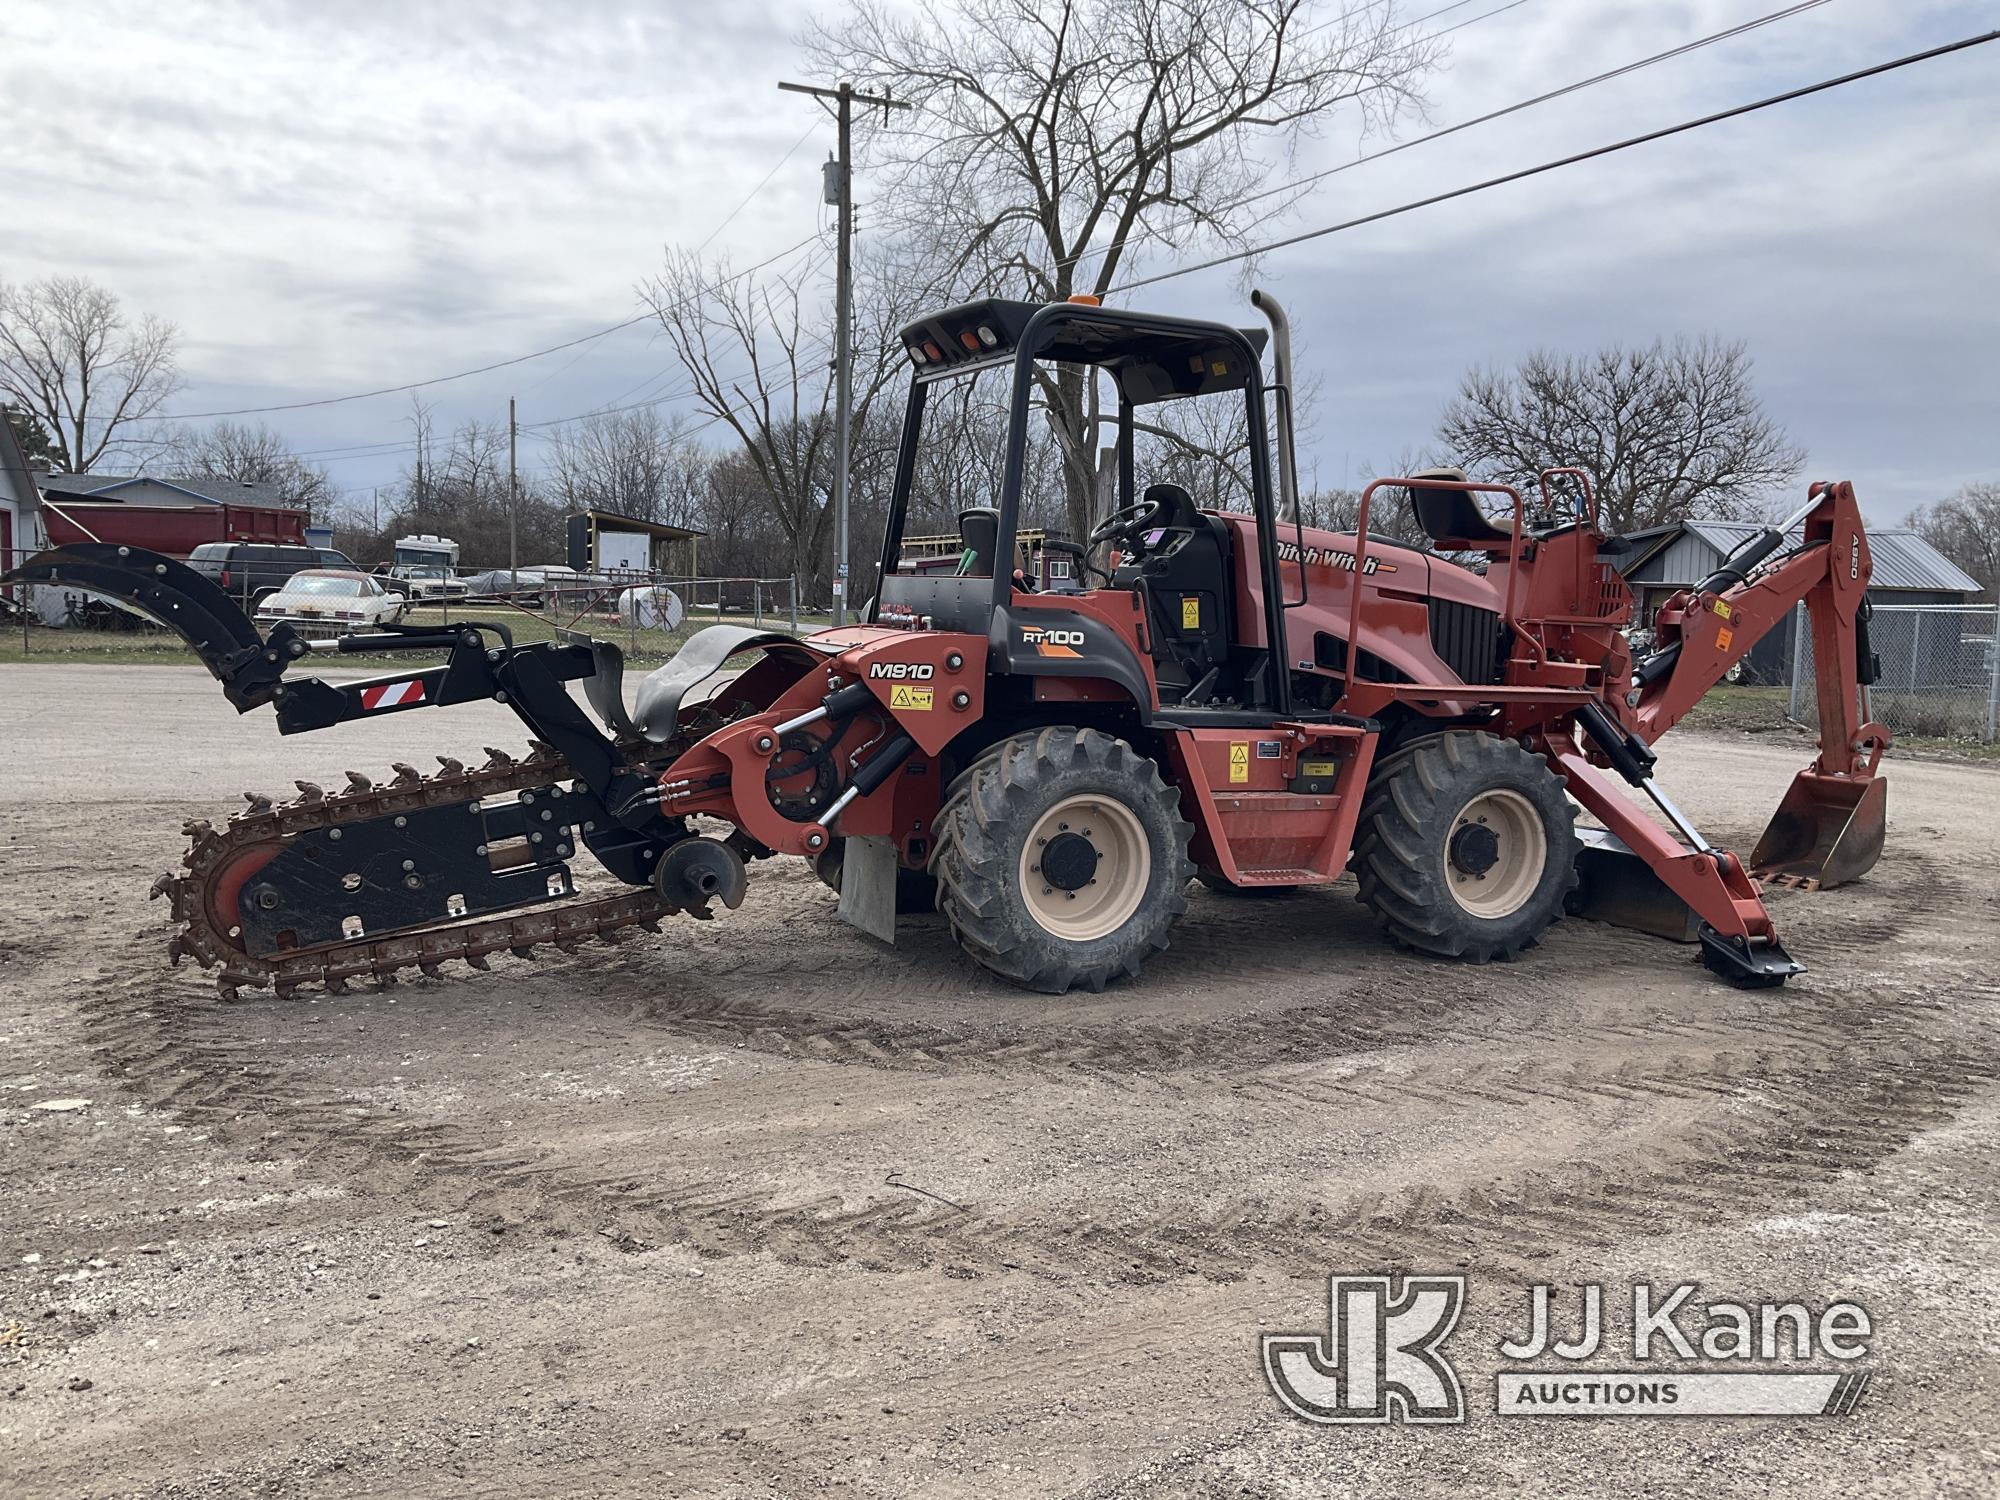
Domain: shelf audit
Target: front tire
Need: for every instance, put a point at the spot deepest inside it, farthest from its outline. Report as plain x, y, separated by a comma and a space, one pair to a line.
1467, 847
1061, 859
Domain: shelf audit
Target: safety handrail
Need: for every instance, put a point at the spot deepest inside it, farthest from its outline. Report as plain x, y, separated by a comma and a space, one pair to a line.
1470, 487
1581, 477
1586, 562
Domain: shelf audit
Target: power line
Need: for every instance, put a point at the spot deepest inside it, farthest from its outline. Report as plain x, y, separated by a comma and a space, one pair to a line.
763, 183
712, 419
417, 385
539, 431
1348, 15
1515, 108
811, 263
1567, 161
811, 348
1146, 231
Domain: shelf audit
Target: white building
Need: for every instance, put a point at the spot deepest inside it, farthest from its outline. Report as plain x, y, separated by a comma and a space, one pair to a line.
21, 530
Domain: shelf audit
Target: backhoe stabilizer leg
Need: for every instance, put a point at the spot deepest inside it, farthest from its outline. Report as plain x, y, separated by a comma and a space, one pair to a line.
1738, 940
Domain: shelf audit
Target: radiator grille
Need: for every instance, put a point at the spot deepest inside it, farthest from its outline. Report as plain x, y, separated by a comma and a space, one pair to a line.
1467, 639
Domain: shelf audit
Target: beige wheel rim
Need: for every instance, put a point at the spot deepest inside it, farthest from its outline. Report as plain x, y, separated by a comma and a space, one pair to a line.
1085, 867
1495, 854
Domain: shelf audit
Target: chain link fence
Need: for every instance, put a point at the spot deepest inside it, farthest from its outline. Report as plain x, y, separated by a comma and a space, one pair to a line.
1940, 670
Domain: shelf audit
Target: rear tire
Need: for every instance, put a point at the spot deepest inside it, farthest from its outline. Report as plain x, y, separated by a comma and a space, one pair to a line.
1467, 847
1061, 859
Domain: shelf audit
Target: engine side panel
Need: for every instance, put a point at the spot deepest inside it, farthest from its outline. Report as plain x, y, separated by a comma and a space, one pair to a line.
1399, 641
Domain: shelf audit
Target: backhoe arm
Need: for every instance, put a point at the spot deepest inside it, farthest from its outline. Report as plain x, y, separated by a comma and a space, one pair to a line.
1830, 827
1705, 631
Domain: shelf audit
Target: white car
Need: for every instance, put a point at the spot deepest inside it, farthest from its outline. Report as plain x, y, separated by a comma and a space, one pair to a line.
330, 597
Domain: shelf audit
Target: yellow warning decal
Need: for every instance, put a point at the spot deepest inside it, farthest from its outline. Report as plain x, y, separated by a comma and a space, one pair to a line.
916, 699
1191, 612
1318, 767
1239, 762
1722, 609
1723, 637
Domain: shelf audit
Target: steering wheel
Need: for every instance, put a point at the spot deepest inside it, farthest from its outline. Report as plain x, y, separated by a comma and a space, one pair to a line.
1129, 524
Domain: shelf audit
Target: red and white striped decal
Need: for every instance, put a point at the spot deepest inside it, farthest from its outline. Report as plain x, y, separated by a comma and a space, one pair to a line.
392, 695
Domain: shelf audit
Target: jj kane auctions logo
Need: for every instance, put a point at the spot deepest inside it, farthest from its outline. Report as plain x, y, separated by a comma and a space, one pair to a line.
1382, 1357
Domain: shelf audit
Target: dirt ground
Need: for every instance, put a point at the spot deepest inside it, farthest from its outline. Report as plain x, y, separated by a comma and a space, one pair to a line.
763, 1208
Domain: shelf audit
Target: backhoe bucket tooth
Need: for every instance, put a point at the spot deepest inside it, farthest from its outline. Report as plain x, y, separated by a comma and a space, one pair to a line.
1828, 831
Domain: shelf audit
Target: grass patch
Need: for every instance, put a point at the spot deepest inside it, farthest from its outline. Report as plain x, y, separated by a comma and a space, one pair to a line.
1729, 709
156, 646
1725, 709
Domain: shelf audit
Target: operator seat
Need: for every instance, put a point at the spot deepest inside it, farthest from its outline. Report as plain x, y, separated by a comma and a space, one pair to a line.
1190, 598
979, 536
1452, 519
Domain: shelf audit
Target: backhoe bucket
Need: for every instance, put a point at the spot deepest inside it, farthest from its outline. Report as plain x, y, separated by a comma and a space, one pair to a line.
1827, 831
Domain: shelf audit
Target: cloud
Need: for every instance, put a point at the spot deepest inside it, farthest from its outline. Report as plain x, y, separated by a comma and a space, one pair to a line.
328, 198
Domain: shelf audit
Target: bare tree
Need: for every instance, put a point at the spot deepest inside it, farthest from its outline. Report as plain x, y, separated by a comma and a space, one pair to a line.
755, 352
420, 477
87, 373
636, 463
1666, 432
1965, 527
461, 491
250, 455
1053, 144
1388, 514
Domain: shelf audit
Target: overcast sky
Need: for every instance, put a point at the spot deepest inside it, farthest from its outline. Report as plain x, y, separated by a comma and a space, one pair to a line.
334, 198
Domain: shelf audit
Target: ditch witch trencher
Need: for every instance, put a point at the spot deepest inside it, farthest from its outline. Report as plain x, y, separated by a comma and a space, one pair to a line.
1232, 696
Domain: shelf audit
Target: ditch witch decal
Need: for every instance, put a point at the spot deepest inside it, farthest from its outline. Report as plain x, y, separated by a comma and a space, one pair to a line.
1332, 557
1382, 1358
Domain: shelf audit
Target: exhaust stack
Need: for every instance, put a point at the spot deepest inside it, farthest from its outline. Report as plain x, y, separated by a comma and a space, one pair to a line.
1281, 365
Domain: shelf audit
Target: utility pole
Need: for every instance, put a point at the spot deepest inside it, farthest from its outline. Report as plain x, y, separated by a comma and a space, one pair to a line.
839, 190
513, 502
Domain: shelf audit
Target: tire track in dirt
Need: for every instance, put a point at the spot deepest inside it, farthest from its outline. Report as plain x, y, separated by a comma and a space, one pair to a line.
1365, 1013
1834, 1087
1907, 894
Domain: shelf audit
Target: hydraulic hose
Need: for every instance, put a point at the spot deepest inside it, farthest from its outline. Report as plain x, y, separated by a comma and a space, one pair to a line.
1736, 567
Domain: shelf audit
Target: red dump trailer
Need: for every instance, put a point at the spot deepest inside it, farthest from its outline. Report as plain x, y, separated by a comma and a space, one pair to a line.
175, 530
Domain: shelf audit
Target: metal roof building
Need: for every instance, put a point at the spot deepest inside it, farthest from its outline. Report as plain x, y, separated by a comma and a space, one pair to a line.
150, 489
1665, 559
1673, 557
